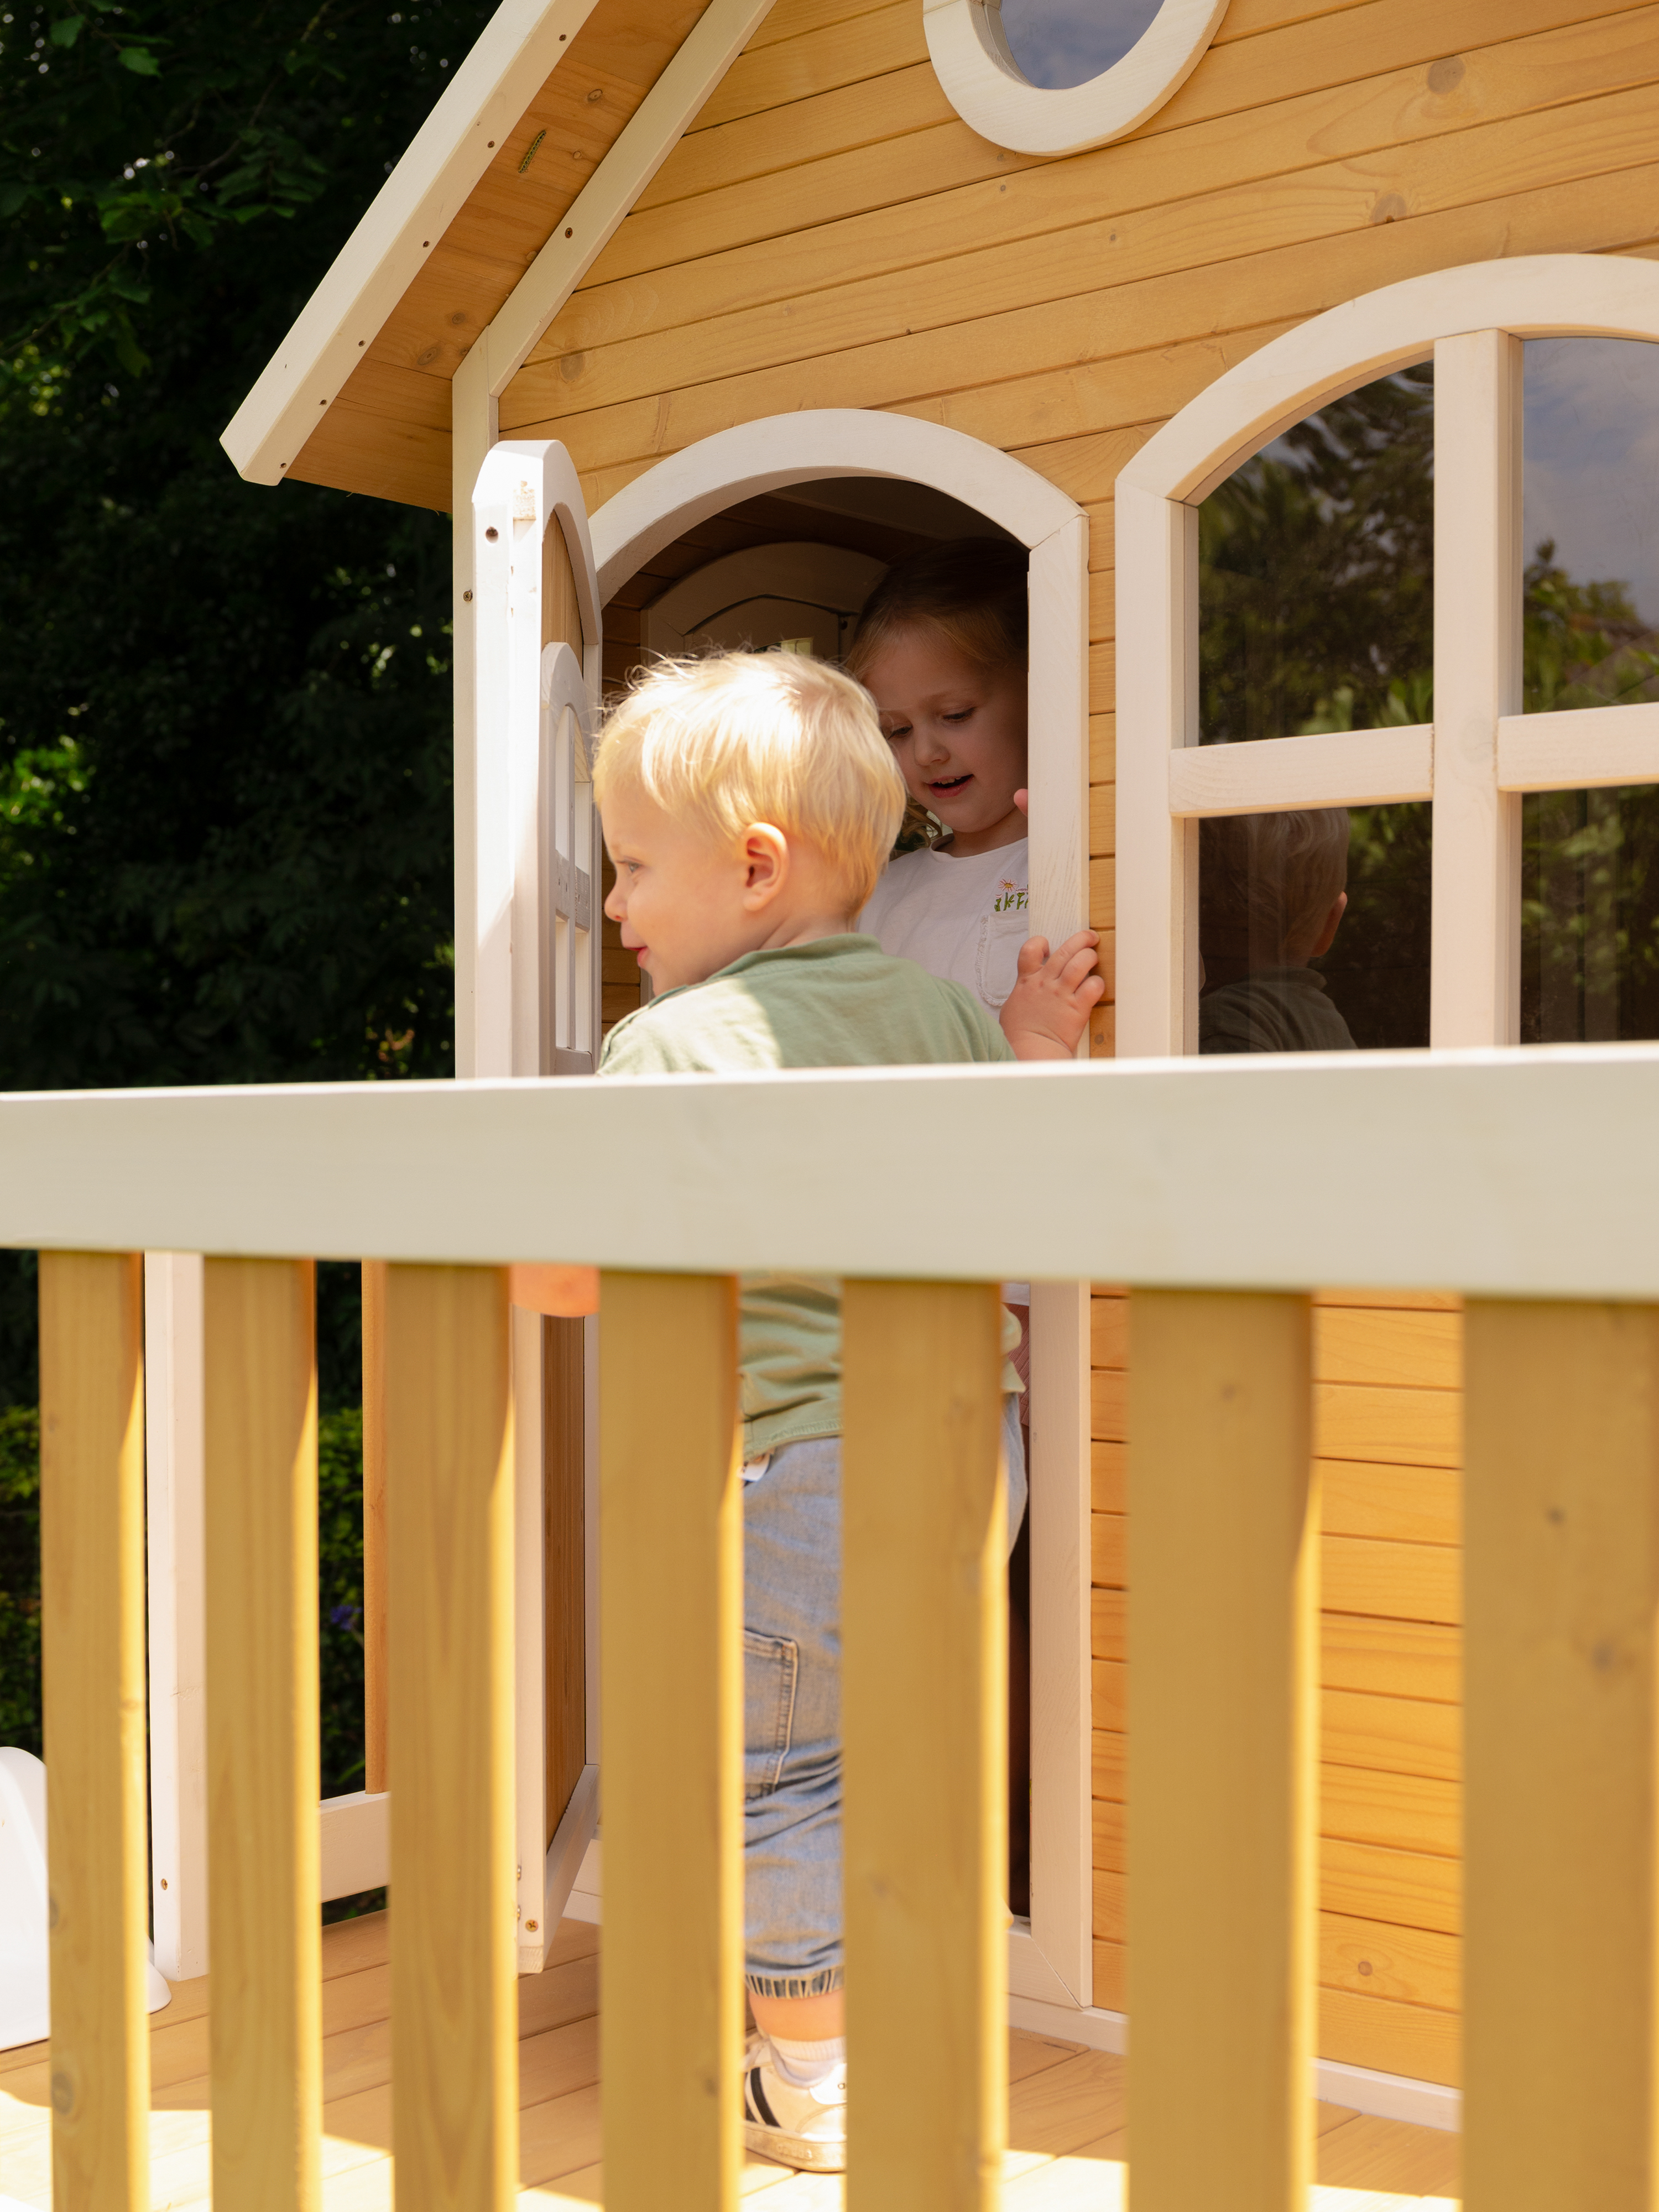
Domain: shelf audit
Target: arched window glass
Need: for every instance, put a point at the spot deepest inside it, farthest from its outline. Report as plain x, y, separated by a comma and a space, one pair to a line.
1058, 43
1316, 573
1589, 896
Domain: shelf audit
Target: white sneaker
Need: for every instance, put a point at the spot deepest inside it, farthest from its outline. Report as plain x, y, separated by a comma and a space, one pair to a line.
796, 2126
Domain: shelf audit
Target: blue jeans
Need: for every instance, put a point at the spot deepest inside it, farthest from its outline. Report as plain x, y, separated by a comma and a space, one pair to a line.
791, 1711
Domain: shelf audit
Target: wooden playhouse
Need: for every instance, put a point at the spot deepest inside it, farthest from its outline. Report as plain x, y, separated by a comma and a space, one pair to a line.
694, 319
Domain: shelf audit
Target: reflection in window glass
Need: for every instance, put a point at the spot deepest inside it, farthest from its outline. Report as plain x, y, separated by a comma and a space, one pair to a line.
1313, 930
1589, 916
1058, 43
1316, 573
1591, 522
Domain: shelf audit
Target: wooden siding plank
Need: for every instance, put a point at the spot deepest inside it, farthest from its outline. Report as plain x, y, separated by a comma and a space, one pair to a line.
1417, 2040
670, 1620
260, 1530
754, 146
1398, 1811
454, 2114
1391, 1736
1222, 1842
1109, 1612
613, 446
1357, 1574
1108, 1769
1108, 1536
1414, 1966
1410, 1504
1377, 1346
924, 1701
1103, 747
815, 61
794, 19
1009, 404
1110, 1476
92, 1638
1242, 77
1396, 1582
1391, 1658
1102, 820
1108, 1404
1405, 1889
848, 216
1415, 1428
932, 264
1109, 1332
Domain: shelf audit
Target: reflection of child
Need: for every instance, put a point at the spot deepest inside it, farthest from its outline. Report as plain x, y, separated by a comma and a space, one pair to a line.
1271, 898
749, 801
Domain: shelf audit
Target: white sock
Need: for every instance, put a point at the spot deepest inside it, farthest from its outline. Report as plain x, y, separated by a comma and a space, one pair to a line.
807, 2064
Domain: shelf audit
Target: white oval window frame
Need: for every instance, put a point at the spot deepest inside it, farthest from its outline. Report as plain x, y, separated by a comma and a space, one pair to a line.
983, 83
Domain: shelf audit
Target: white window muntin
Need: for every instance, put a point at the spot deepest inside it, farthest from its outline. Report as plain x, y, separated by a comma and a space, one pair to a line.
1481, 753
985, 84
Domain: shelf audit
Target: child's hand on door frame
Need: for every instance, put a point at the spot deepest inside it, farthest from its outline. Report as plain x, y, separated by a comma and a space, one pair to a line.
1048, 1010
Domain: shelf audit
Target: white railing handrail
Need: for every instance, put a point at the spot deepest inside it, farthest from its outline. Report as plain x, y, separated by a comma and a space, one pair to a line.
1529, 1172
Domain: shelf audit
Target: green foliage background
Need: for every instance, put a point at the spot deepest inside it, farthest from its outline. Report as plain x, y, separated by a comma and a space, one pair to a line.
225, 798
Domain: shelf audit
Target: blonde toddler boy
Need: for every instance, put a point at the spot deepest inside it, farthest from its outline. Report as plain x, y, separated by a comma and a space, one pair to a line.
750, 802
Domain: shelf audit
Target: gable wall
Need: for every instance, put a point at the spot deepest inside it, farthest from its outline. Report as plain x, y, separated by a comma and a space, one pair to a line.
830, 234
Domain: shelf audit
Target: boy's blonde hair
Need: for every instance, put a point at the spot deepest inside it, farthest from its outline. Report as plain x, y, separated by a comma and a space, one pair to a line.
729, 738
1268, 883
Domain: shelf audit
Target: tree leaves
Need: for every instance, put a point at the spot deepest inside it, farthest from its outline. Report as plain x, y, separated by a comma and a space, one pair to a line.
156, 128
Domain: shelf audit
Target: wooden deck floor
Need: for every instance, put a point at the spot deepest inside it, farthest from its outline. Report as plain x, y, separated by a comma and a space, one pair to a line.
1066, 2118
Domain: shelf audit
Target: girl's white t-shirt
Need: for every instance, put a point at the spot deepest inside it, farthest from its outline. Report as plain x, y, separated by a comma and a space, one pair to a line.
964, 919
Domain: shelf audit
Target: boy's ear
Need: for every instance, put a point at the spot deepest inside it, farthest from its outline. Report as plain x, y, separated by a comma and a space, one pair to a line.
1333, 922
765, 865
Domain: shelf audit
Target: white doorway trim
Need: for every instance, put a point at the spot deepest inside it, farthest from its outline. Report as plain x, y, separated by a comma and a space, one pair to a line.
770, 455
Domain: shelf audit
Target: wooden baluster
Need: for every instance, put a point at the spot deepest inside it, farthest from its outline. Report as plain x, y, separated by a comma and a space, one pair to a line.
92, 1640
263, 1944
670, 2019
1561, 1716
1223, 1592
449, 1465
375, 1764
924, 1642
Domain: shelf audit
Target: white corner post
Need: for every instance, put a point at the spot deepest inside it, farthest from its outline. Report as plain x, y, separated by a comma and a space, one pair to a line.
176, 1567
1474, 991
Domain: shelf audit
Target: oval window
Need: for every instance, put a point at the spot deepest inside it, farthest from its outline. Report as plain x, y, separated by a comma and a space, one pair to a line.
1055, 77
1058, 43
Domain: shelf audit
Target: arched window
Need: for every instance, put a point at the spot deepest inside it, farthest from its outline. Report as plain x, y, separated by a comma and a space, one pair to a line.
1538, 674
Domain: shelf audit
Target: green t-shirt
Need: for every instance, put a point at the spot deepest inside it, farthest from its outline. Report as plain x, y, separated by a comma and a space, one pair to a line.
836, 1002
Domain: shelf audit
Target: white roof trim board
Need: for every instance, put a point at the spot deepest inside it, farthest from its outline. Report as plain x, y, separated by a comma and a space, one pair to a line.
515, 54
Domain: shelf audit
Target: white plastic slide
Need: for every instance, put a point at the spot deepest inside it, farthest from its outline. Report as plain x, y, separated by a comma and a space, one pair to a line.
24, 2010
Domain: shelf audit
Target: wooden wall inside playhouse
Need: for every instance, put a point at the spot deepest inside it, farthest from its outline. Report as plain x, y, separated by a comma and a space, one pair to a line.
830, 234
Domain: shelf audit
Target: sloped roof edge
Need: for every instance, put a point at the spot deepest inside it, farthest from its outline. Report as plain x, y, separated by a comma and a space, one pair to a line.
514, 54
